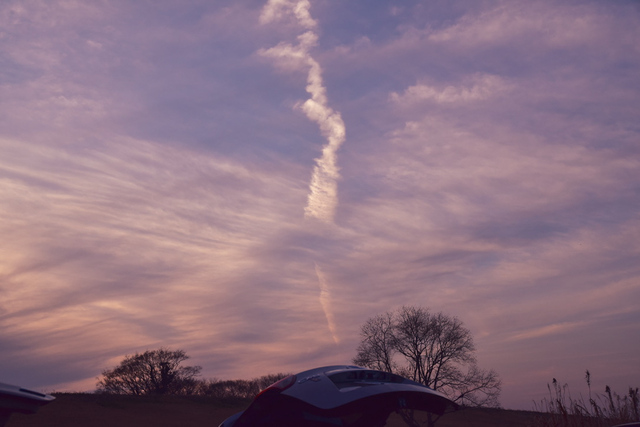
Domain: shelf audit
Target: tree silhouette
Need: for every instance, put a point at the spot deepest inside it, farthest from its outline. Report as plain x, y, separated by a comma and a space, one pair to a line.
433, 349
152, 372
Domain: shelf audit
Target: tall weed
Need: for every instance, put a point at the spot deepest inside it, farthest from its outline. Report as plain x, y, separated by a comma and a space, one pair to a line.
560, 409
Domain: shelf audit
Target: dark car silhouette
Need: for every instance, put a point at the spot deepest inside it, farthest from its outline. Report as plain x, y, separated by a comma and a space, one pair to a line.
18, 399
341, 395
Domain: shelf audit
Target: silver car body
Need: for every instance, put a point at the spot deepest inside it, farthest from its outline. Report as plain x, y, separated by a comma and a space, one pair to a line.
17, 399
333, 395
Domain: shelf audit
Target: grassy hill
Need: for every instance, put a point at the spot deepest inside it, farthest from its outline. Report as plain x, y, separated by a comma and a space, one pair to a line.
164, 411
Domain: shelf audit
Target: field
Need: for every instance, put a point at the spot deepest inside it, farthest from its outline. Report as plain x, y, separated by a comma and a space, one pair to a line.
172, 411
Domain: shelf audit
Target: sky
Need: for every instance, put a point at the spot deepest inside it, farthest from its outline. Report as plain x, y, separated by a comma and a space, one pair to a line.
251, 180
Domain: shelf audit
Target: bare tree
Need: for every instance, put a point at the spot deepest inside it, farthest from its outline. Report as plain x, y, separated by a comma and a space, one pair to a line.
433, 349
376, 348
152, 372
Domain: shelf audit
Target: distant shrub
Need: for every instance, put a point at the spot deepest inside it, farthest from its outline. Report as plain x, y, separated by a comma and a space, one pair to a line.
236, 389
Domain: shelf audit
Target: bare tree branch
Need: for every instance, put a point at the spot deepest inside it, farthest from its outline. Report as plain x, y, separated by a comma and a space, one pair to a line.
433, 349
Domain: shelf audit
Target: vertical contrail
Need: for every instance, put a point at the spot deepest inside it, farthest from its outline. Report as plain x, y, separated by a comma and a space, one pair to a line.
325, 302
323, 189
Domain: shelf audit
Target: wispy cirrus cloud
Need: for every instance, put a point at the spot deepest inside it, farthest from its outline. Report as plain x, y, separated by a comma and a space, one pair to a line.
546, 331
98, 241
154, 178
477, 88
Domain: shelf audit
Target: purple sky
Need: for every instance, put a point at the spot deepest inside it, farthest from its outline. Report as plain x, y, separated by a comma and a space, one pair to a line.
251, 180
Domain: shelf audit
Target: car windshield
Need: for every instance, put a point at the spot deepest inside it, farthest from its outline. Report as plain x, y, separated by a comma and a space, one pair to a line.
352, 378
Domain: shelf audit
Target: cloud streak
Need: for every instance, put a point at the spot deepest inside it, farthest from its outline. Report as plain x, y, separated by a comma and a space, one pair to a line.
322, 200
325, 302
323, 189
480, 87
276, 10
